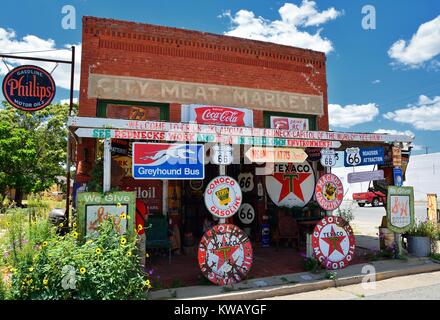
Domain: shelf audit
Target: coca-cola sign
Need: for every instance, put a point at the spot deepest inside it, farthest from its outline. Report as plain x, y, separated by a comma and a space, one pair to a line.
217, 115
29, 88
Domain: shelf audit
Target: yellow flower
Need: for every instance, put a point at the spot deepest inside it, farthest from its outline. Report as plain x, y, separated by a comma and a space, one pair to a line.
75, 234
118, 205
89, 242
123, 216
82, 270
31, 269
45, 243
13, 270
147, 255
123, 241
61, 225
45, 282
29, 282
74, 225
140, 227
129, 254
98, 250
147, 284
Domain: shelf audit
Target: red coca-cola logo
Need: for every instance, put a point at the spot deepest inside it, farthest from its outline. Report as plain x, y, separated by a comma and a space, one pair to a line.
281, 123
220, 115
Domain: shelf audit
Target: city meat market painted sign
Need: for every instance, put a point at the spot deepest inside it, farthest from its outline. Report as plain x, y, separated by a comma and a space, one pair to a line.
143, 89
94, 208
168, 161
289, 123
363, 156
269, 154
223, 196
329, 192
217, 115
291, 184
400, 208
29, 88
333, 243
225, 254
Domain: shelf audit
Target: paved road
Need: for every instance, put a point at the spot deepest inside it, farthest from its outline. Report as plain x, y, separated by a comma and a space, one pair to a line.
425, 286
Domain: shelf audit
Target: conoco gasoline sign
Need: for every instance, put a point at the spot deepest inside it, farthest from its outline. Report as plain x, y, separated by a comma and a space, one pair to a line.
29, 88
223, 196
329, 192
333, 242
225, 254
291, 184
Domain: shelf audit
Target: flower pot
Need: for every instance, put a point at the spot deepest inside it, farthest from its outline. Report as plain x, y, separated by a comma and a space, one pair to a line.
436, 246
419, 246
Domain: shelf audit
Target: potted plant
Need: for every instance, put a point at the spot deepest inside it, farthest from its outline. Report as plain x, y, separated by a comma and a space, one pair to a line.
420, 236
436, 243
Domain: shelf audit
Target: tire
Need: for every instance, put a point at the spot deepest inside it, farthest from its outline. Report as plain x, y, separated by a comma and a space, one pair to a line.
375, 202
361, 204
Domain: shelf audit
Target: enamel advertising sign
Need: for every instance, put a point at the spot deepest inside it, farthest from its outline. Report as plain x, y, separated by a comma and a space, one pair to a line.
363, 156
223, 197
329, 192
400, 208
288, 123
328, 157
218, 115
168, 161
270, 154
29, 88
333, 243
225, 254
291, 184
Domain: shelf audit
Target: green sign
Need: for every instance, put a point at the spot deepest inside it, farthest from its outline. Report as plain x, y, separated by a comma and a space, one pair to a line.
400, 208
94, 207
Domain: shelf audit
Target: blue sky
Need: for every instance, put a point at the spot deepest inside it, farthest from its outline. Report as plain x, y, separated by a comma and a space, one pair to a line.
370, 87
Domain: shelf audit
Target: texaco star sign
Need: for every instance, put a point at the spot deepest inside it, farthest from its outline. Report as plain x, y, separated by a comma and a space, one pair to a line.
225, 254
333, 243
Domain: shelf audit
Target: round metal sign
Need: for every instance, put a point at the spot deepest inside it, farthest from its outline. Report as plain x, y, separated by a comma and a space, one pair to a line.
225, 254
223, 196
333, 242
246, 214
328, 157
291, 184
329, 192
29, 88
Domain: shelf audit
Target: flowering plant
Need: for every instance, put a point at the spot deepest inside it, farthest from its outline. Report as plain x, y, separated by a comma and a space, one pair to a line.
424, 228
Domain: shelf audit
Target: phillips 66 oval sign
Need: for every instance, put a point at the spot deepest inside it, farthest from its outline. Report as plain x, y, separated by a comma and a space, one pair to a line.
225, 254
29, 88
223, 196
329, 192
333, 242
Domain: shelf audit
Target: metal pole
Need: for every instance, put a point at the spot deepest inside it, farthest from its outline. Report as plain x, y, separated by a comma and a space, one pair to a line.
107, 166
69, 151
222, 172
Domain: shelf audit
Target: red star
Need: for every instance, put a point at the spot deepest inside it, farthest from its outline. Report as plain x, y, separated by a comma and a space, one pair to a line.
224, 254
334, 242
291, 182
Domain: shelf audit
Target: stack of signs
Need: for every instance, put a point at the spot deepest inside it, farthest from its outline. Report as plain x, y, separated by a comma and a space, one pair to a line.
400, 208
329, 192
363, 156
225, 254
223, 197
291, 184
333, 243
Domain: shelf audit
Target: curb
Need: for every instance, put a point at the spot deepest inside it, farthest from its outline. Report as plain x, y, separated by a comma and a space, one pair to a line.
317, 285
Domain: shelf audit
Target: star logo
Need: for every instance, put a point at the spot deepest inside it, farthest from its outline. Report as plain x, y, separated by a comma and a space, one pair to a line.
224, 254
334, 242
291, 182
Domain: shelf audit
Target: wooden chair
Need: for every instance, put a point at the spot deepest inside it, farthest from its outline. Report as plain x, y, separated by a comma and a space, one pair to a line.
287, 228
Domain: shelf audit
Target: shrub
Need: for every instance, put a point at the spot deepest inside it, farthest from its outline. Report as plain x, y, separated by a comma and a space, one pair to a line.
424, 229
346, 213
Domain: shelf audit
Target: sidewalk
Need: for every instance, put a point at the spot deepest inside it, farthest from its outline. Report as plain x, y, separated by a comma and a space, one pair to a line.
297, 282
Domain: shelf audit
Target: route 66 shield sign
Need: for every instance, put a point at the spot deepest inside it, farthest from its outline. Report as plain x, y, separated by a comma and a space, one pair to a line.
328, 157
352, 156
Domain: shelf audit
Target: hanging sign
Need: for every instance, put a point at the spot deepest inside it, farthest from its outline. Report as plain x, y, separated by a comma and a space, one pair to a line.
269, 154
400, 208
218, 115
363, 156
168, 161
432, 207
328, 157
314, 154
223, 197
246, 181
329, 192
397, 157
291, 184
225, 254
29, 88
364, 176
246, 214
398, 177
221, 154
333, 243
289, 123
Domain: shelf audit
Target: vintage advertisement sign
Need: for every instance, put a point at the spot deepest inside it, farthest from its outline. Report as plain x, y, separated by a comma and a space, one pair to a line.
270, 154
289, 123
400, 208
149, 191
363, 156
432, 207
397, 177
94, 208
168, 161
333, 243
29, 88
221, 154
328, 157
225, 254
397, 157
223, 196
246, 181
314, 154
365, 176
217, 115
329, 192
246, 214
291, 184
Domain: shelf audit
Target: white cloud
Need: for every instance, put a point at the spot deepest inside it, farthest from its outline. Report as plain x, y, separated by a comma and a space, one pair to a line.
287, 30
375, 81
396, 132
67, 101
9, 43
423, 46
424, 115
352, 114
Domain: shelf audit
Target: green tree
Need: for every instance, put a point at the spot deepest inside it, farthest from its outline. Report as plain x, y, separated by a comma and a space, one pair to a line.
32, 148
